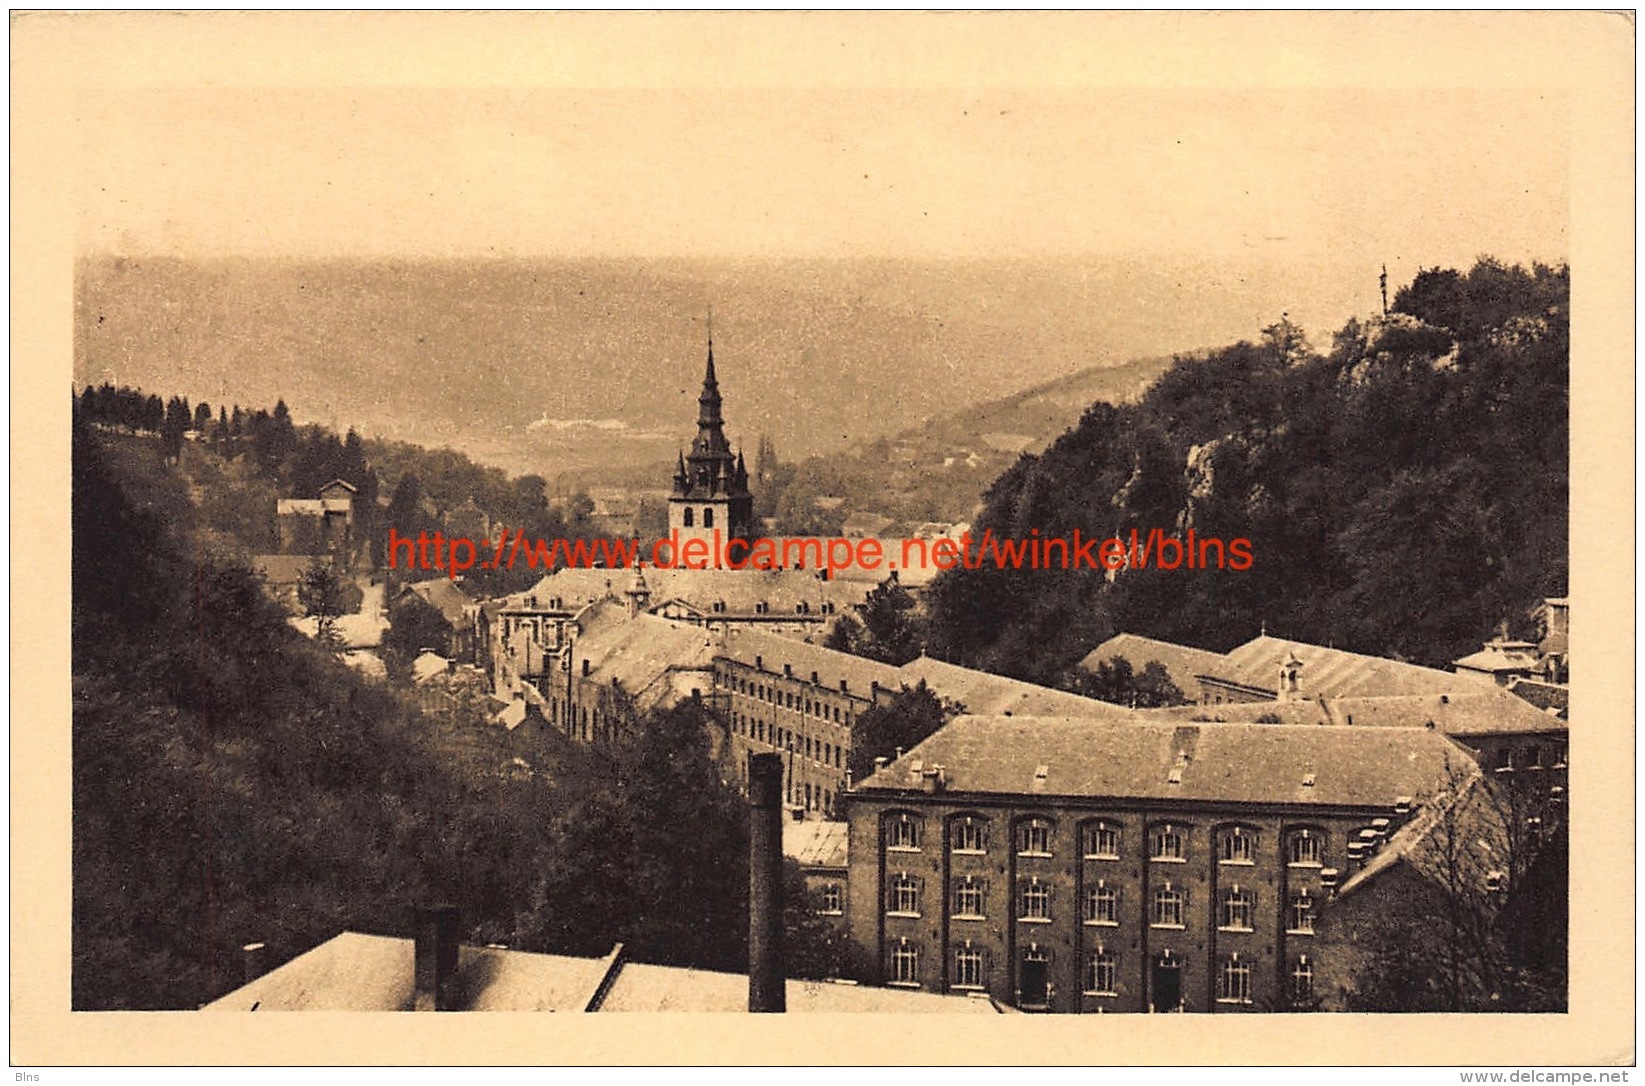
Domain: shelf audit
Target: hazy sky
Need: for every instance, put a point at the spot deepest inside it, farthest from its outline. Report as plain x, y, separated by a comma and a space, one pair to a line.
1252, 175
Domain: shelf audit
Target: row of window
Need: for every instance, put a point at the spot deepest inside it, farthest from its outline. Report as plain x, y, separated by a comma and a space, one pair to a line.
788, 699
823, 753
1103, 840
1236, 906
1101, 972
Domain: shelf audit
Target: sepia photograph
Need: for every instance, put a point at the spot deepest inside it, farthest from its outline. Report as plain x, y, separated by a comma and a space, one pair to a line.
882, 514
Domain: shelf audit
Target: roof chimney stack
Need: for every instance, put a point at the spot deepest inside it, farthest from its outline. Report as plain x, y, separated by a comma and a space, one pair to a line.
436, 958
767, 993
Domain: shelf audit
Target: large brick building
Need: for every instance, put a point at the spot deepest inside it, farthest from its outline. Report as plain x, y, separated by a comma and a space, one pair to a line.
804, 701
1080, 865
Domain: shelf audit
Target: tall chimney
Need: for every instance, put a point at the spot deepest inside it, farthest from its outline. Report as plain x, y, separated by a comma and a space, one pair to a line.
767, 992
436, 957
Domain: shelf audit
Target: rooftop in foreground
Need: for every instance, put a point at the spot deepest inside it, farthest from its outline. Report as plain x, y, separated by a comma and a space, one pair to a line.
359, 972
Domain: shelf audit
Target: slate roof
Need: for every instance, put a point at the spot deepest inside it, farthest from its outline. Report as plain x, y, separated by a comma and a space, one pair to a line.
1484, 709
1333, 673
1543, 695
986, 694
1470, 809
442, 594
356, 972
640, 652
1135, 759
817, 844
739, 590
1499, 656
1183, 663
859, 673
1491, 711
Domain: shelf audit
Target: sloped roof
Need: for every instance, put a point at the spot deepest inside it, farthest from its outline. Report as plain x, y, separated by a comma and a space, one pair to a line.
1183, 663
639, 652
1499, 656
428, 665
1543, 695
1491, 710
443, 594
1135, 759
282, 569
740, 590
859, 673
1297, 712
1333, 673
665, 988
1467, 809
356, 972
817, 844
986, 694
1484, 709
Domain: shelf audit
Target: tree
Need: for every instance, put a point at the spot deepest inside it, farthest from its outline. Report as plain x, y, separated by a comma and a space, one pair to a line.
322, 594
414, 627
814, 948
912, 714
1453, 935
889, 629
1113, 680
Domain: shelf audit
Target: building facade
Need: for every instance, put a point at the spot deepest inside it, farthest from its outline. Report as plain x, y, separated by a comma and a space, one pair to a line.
1084, 866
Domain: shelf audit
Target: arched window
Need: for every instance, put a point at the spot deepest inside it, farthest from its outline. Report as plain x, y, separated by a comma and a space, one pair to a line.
1237, 845
1102, 904
969, 835
902, 833
1302, 979
1168, 907
1234, 980
1035, 900
1102, 841
969, 967
708, 518
1102, 973
1237, 906
690, 517
903, 896
1167, 845
1304, 850
970, 894
1034, 838
905, 964
1300, 915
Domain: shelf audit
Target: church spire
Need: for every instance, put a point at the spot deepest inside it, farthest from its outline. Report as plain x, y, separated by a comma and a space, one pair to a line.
710, 442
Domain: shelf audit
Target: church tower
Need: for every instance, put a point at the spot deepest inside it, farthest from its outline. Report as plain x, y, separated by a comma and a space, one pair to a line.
711, 482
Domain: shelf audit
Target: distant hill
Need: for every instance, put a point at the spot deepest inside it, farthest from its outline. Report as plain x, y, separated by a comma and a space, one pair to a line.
587, 368
939, 470
1402, 493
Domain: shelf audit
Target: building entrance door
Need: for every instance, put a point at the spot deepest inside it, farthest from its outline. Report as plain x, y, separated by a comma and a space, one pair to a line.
1033, 982
1167, 986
